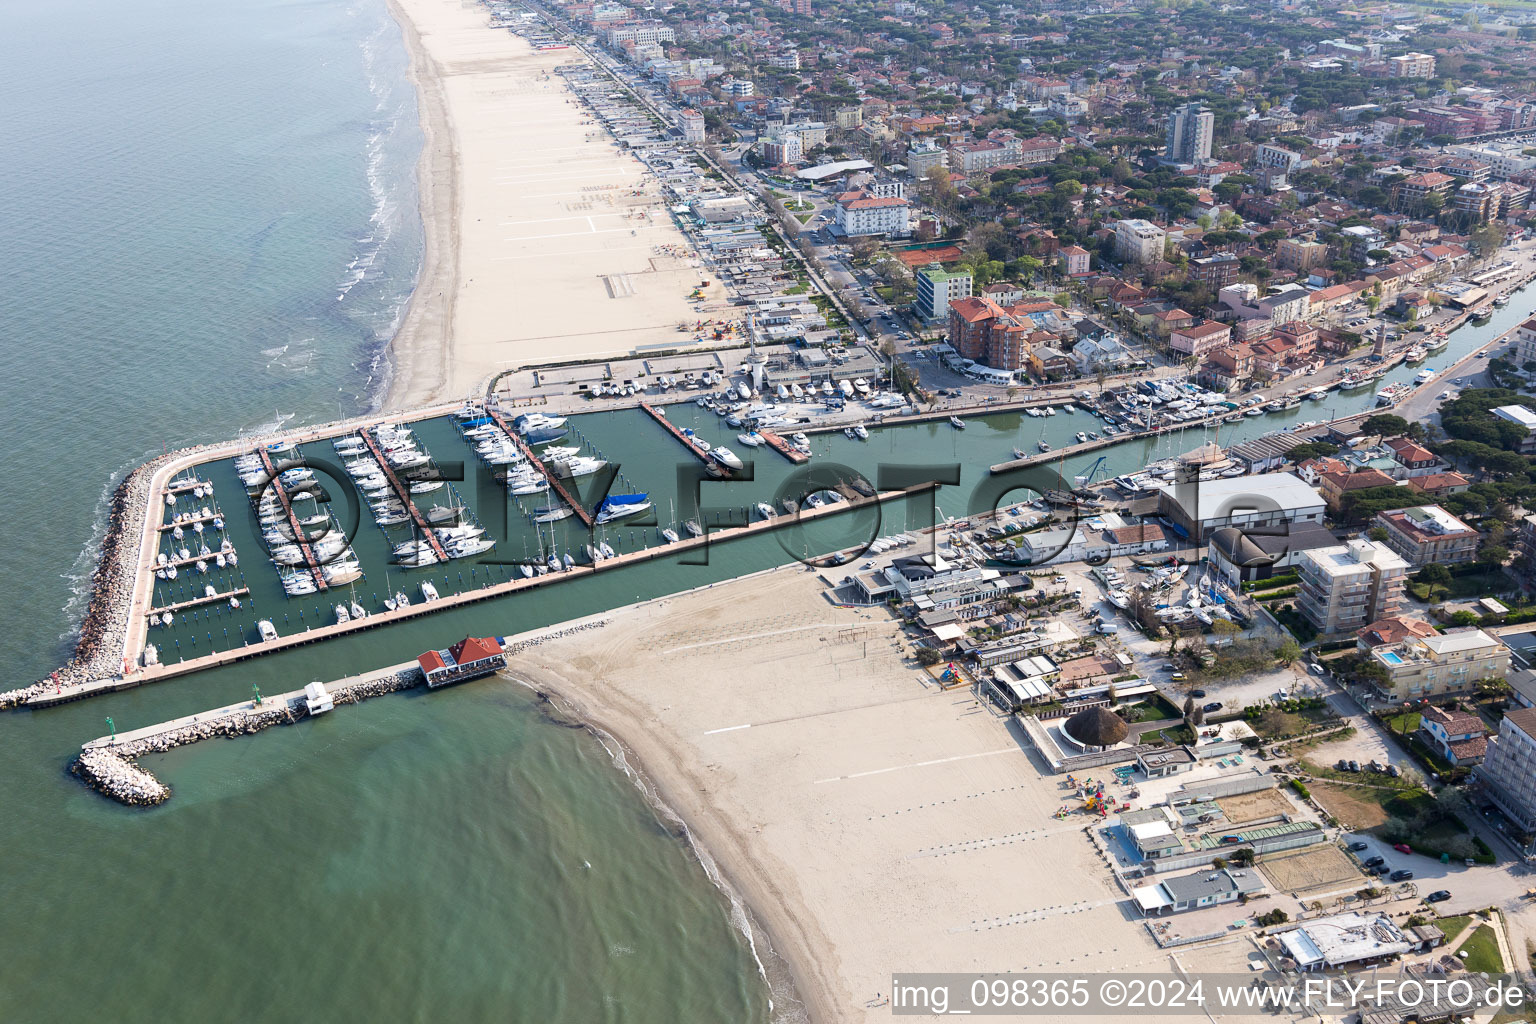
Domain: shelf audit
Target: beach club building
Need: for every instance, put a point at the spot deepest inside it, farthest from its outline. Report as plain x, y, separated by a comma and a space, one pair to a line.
470, 658
1191, 892
1344, 940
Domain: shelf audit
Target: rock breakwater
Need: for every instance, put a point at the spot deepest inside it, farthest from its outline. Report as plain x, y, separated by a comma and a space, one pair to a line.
110, 768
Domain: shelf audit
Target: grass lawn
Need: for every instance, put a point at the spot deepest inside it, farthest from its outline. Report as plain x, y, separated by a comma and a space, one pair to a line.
1482, 951
803, 217
1453, 926
1403, 723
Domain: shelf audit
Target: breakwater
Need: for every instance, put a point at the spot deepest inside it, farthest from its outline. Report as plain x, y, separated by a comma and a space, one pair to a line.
109, 764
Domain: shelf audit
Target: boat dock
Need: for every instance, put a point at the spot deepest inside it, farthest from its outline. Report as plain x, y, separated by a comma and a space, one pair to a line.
556, 484
293, 519
403, 492
196, 602
65, 693
190, 521
188, 485
783, 447
703, 456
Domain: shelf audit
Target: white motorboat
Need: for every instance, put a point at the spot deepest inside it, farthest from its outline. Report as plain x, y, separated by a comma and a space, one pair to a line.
428, 591
266, 630
957, 422
726, 457
752, 439
860, 432
551, 514
765, 510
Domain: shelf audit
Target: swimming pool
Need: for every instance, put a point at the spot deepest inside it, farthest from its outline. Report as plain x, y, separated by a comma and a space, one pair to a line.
1391, 657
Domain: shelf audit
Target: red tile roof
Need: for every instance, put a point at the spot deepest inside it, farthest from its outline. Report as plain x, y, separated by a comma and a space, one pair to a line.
472, 649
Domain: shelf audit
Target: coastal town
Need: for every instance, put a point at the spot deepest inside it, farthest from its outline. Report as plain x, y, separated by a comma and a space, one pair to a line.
1103, 438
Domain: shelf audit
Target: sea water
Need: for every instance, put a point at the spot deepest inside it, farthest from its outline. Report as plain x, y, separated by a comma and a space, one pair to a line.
210, 227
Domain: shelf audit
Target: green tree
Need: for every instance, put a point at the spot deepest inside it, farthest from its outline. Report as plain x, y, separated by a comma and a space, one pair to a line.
1288, 652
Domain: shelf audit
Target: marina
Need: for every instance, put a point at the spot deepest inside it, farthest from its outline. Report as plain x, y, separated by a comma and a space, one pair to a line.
280, 491
555, 483
701, 451
403, 494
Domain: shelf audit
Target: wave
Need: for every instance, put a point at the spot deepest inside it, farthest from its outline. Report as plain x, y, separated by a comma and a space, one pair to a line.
783, 1006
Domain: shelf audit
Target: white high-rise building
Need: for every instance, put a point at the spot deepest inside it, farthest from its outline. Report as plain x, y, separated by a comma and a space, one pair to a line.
1139, 241
1190, 131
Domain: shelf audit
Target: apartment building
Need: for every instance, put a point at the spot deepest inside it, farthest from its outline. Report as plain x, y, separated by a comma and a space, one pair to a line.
1445, 663
1428, 534
1346, 587
1508, 771
1200, 338
1412, 65
1414, 190
923, 158
1190, 131
1525, 343
692, 124
1215, 272
1139, 241
1525, 418
937, 288
1270, 155
984, 332
1301, 255
1075, 261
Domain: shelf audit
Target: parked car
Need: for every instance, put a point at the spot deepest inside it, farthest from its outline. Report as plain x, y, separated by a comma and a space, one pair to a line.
1402, 847
1357, 846
1438, 896
1200, 694
1401, 875
1354, 766
1214, 705
1376, 861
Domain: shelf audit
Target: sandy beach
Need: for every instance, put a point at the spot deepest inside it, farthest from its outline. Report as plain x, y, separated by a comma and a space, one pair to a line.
873, 823
543, 240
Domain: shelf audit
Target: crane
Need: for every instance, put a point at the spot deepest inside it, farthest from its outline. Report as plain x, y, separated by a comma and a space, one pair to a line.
1094, 472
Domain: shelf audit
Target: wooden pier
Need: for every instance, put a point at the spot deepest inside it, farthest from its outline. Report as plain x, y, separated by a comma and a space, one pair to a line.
783, 447
403, 492
293, 519
183, 488
715, 465
190, 521
556, 484
198, 602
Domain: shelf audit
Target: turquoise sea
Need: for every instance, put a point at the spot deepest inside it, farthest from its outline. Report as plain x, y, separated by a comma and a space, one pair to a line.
210, 227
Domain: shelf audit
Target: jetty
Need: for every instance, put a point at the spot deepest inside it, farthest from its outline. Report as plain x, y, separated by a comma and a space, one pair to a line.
197, 602
190, 521
293, 520
107, 764
556, 483
714, 464
49, 694
183, 486
403, 492
783, 447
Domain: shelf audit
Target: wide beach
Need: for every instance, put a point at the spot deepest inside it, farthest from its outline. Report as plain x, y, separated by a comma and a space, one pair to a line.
872, 822
545, 241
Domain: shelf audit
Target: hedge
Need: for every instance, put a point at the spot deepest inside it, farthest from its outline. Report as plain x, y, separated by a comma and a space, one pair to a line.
1301, 788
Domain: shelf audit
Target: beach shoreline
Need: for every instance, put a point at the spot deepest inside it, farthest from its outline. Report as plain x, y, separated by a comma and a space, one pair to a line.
420, 351
713, 841
544, 240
